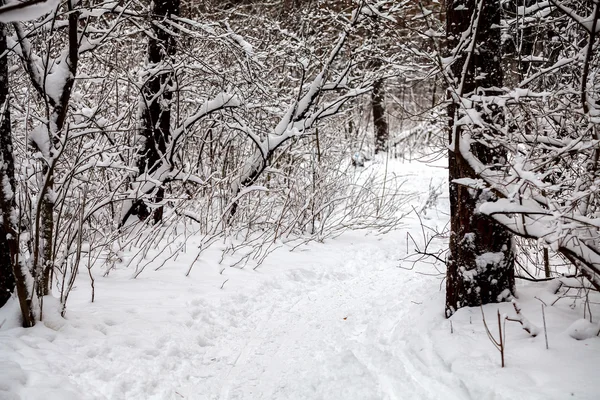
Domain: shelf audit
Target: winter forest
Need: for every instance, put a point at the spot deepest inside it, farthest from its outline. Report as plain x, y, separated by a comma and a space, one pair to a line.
299, 199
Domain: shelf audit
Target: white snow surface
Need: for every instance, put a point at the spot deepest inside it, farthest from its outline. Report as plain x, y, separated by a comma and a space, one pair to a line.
339, 320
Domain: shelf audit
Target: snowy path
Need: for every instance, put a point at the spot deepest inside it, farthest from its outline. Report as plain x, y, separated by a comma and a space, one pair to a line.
340, 338
334, 326
336, 333
332, 329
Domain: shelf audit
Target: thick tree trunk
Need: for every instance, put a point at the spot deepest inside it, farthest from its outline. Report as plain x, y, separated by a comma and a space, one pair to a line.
380, 124
157, 98
12, 270
481, 261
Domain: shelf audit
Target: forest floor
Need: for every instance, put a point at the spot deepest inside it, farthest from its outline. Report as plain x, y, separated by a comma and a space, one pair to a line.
351, 318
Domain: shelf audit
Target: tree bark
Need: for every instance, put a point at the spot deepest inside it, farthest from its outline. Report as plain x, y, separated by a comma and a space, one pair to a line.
380, 124
157, 97
480, 266
12, 270
58, 119
7, 181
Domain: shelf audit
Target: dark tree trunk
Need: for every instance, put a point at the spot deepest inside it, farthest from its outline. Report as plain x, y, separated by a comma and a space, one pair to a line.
47, 235
7, 180
380, 124
481, 261
11, 267
157, 97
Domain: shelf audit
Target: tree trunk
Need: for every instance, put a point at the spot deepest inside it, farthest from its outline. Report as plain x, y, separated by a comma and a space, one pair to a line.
7, 180
157, 98
380, 124
12, 270
45, 262
47, 235
481, 261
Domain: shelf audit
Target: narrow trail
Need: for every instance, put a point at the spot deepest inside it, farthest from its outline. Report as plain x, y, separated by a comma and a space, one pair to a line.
343, 325
344, 335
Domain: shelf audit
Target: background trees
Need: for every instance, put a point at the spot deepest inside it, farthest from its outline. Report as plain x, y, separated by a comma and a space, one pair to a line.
223, 120
236, 120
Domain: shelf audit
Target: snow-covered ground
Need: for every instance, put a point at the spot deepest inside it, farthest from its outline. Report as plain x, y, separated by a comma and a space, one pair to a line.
348, 319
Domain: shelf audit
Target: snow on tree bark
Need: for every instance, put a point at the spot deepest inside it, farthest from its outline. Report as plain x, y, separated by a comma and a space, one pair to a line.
380, 124
54, 85
12, 271
7, 182
156, 104
481, 261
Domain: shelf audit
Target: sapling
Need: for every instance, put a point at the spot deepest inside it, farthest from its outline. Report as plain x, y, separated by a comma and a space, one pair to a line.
500, 343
